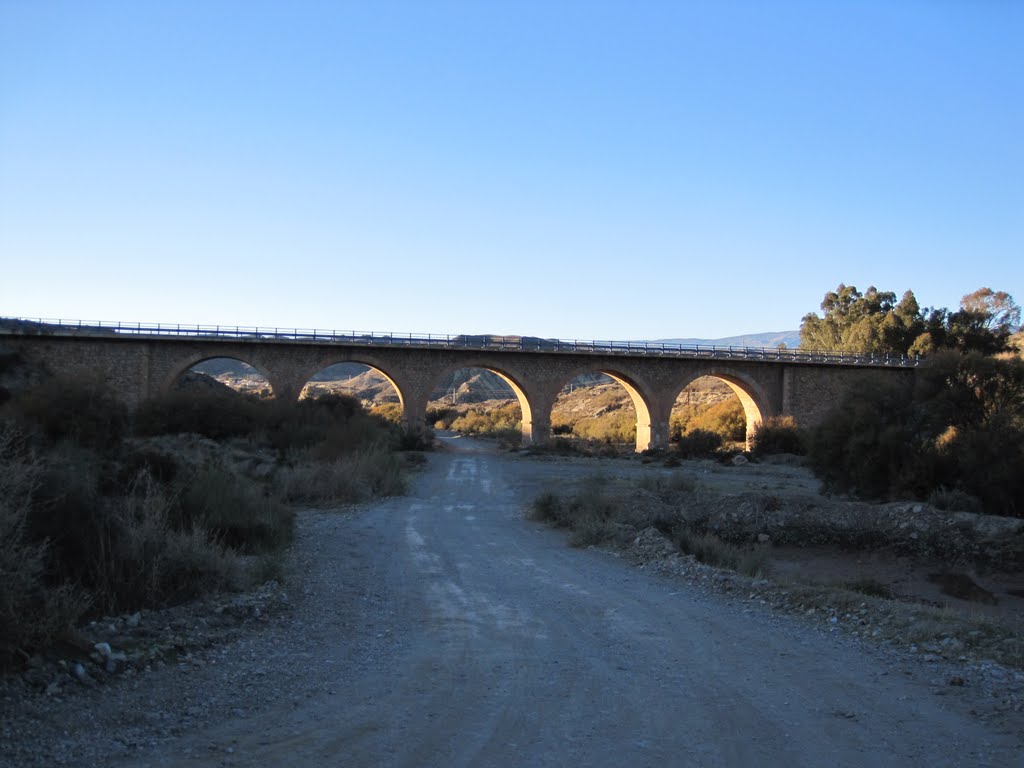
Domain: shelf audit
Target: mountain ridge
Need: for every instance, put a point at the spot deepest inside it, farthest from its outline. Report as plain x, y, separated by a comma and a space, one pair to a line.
764, 339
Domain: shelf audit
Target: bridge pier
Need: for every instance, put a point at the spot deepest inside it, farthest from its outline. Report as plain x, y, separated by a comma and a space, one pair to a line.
657, 431
538, 431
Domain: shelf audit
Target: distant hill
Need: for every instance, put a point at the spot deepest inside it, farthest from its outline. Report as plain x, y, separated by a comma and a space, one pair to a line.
769, 339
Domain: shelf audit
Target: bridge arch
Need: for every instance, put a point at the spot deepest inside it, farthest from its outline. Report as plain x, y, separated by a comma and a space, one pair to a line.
639, 393
526, 407
309, 389
304, 376
183, 366
752, 397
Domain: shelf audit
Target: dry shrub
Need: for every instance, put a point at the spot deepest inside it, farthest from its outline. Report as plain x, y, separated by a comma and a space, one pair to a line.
548, 508
590, 529
32, 612
600, 513
389, 412
605, 512
81, 411
94, 525
954, 500
711, 550
868, 586
726, 419
958, 425
142, 560
218, 414
699, 444
667, 487
236, 511
778, 434
613, 427
502, 420
352, 478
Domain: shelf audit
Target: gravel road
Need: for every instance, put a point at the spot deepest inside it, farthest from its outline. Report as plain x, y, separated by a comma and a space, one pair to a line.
444, 629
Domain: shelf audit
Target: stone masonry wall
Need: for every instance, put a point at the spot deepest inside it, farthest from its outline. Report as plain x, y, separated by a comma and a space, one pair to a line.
137, 368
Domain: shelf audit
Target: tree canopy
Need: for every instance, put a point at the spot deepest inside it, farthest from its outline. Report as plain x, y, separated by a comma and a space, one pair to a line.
874, 321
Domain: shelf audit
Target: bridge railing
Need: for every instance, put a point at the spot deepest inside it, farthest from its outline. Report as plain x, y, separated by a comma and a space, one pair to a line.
44, 326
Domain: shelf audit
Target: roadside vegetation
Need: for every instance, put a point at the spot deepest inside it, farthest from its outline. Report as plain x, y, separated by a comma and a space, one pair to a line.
105, 511
606, 512
671, 523
501, 420
954, 433
953, 436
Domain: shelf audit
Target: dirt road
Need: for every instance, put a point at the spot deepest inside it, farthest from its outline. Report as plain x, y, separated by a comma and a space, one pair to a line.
444, 629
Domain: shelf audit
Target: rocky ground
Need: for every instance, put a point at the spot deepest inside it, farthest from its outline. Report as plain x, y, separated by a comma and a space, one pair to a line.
957, 653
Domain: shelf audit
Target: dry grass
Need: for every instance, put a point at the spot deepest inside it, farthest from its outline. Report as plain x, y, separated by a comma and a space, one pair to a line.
606, 512
32, 612
352, 478
709, 549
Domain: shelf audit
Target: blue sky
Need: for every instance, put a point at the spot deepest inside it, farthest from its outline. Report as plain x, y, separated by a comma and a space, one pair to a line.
570, 169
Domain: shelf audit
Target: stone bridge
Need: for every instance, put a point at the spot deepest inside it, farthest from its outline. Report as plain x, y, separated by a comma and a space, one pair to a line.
139, 363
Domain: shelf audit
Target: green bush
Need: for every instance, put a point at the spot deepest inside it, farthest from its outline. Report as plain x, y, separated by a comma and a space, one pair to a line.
699, 444
81, 411
218, 414
864, 445
326, 427
958, 426
68, 513
415, 440
778, 434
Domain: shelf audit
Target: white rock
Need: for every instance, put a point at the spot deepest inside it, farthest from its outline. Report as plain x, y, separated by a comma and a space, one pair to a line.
81, 675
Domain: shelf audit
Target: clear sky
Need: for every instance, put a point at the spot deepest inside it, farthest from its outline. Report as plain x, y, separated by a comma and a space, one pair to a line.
619, 170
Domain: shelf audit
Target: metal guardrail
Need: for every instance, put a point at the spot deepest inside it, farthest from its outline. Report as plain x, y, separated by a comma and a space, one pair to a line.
43, 326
